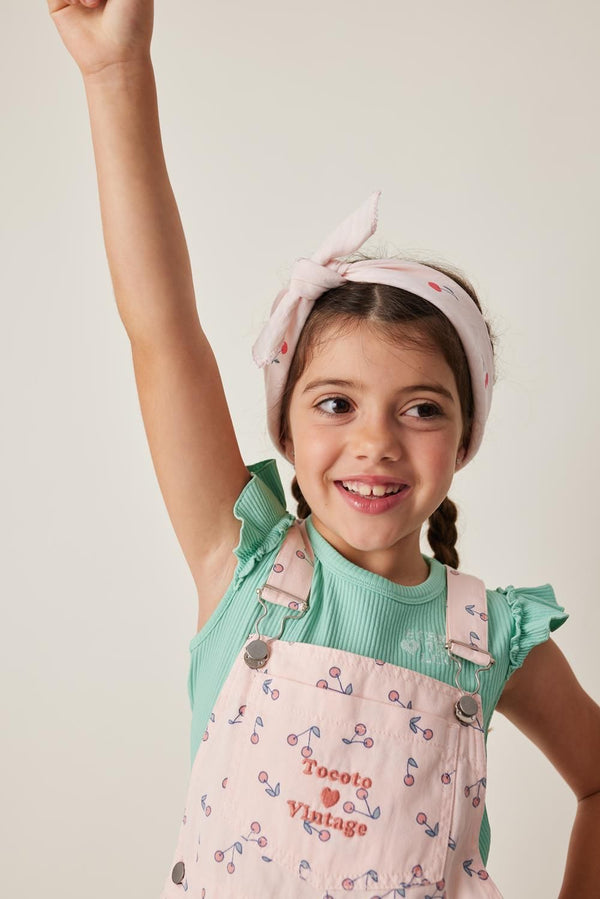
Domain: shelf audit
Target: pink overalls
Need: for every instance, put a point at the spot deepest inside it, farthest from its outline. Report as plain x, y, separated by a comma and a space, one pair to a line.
323, 772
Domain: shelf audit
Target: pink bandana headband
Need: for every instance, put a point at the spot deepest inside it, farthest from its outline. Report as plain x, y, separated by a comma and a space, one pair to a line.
276, 344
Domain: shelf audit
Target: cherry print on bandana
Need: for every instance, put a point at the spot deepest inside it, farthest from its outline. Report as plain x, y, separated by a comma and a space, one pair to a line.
282, 352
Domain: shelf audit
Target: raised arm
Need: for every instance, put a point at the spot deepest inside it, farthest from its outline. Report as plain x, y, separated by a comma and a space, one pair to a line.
190, 434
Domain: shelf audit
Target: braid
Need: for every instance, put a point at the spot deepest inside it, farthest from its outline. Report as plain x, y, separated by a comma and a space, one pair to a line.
303, 507
442, 534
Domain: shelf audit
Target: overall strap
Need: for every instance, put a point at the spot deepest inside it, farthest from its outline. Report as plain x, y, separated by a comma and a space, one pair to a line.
467, 618
290, 577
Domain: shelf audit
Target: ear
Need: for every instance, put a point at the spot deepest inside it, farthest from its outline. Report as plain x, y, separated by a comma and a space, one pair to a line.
289, 450
459, 458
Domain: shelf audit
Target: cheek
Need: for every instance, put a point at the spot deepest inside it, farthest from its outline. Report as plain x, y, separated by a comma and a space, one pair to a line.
439, 456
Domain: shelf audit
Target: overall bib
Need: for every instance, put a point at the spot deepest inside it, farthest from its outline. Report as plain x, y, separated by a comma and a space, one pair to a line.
323, 772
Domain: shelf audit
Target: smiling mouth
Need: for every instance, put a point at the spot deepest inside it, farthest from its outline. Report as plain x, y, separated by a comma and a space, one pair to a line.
357, 488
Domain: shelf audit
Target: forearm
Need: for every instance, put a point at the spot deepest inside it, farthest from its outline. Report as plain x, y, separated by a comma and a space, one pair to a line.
582, 871
143, 235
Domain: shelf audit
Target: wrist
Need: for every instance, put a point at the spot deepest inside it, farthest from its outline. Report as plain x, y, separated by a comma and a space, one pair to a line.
119, 72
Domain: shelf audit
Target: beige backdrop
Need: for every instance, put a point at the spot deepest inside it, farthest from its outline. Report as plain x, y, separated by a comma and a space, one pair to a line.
479, 122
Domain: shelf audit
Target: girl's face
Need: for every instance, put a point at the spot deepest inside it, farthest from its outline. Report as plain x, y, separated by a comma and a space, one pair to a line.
375, 429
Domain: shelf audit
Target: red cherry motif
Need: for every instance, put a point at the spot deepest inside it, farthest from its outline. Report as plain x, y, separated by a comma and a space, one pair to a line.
324, 835
348, 884
255, 827
487, 379
409, 780
421, 819
427, 733
230, 867
263, 777
417, 871
435, 286
277, 568
284, 347
445, 778
262, 842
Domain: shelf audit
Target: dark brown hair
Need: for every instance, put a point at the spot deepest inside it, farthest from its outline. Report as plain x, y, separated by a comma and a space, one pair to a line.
426, 327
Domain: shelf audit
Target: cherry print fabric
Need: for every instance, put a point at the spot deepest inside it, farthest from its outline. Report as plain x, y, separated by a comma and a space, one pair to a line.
328, 772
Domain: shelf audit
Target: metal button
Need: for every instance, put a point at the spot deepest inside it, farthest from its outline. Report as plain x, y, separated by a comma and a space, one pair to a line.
178, 872
256, 654
466, 709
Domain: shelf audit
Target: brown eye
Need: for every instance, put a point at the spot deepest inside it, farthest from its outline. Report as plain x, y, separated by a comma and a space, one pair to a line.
431, 410
334, 405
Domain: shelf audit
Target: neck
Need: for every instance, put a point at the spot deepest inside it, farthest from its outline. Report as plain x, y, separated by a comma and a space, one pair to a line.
401, 563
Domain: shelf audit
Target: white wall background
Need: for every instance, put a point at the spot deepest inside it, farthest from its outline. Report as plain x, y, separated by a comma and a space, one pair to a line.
479, 122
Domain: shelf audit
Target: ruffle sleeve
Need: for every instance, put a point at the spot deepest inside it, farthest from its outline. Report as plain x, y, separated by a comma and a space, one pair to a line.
262, 510
535, 614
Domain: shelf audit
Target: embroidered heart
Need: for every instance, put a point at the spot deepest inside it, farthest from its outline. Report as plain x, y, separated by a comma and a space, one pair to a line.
329, 797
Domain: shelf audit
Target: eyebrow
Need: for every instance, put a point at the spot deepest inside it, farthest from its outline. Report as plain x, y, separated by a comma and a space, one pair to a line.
411, 388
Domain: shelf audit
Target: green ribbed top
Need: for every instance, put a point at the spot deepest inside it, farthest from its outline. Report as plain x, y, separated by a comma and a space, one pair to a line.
355, 610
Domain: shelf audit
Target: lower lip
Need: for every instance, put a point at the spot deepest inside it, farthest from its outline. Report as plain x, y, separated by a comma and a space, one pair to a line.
375, 505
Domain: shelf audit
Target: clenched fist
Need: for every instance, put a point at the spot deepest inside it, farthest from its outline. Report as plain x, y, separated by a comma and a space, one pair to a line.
100, 33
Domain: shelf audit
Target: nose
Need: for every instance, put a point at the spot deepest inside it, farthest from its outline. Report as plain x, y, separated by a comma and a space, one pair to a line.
375, 438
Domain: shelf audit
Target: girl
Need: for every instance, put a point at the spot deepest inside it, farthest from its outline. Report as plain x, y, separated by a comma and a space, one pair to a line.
343, 682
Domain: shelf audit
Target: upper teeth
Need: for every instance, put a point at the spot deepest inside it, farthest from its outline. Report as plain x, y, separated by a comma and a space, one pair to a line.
374, 490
